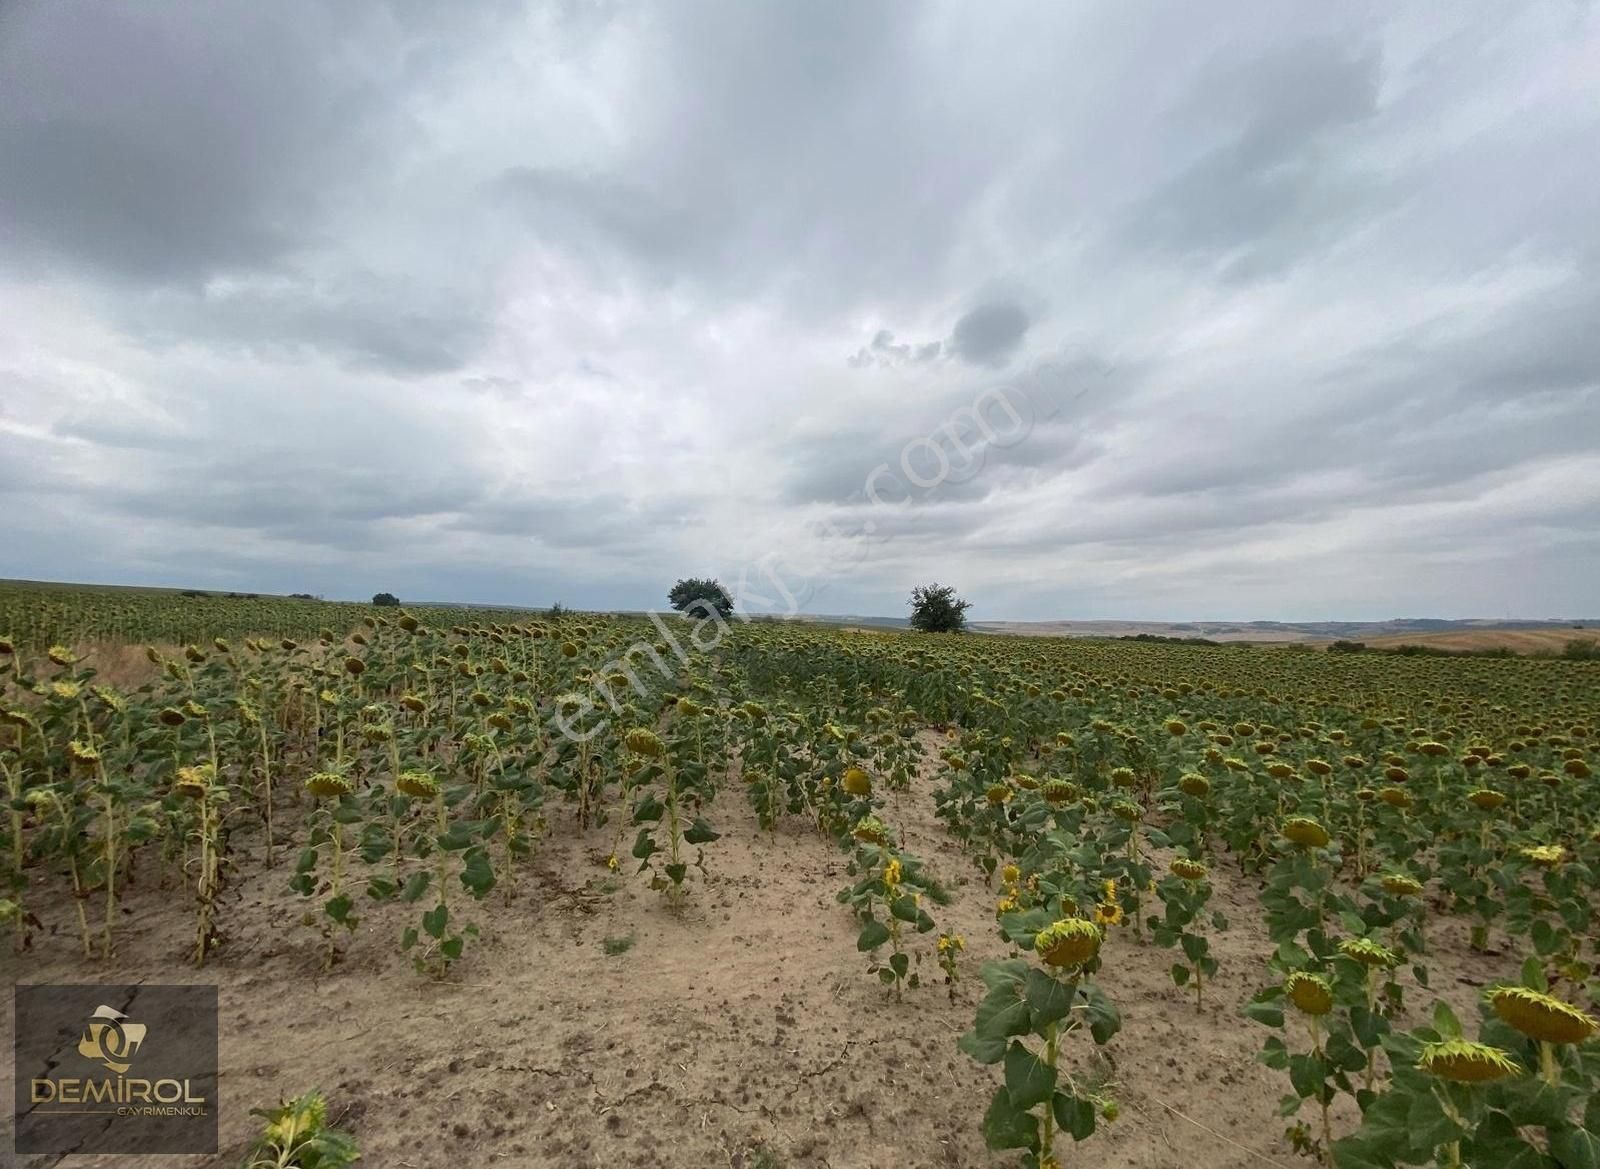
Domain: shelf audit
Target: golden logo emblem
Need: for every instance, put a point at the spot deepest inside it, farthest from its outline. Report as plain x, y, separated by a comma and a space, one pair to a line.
111, 1039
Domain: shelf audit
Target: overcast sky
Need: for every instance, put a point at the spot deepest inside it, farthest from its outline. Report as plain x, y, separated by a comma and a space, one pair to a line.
1274, 311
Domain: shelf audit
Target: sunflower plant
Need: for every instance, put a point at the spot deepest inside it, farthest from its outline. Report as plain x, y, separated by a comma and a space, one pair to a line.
1524, 1095
887, 898
1024, 1023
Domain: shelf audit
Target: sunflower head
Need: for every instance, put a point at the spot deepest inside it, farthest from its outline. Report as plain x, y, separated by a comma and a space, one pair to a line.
1068, 943
870, 830
1188, 870
1058, 792
1546, 856
1486, 799
1319, 767
856, 782
417, 784
1400, 885
1010, 873
1368, 952
1194, 785
642, 741
61, 656
1395, 797
1176, 727
1464, 1062
1305, 832
1541, 1016
1127, 810
1310, 993
1122, 776
171, 716
195, 781
998, 793
329, 785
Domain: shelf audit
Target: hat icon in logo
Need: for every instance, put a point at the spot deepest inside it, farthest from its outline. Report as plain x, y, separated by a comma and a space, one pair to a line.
111, 1040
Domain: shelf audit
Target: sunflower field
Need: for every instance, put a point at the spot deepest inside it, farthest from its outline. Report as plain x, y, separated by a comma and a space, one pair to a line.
1096, 791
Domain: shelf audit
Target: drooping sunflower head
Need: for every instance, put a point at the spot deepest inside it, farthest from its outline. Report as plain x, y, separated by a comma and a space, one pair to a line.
413, 703
83, 754
1546, 856
1368, 952
1176, 727
1194, 784
1068, 943
195, 781
642, 741
998, 793
1188, 870
1319, 767
856, 782
1122, 776
1127, 810
171, 716
1486, 799
329, 785
1310, 993
1400, 885
870, 830
1305, 832
1058, 792
1463, 1062
1541, 1016
61, 656
417, 784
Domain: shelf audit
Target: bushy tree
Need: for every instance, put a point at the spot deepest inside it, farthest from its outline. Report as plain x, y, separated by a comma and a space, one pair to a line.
386, 599
935, 608
697, 596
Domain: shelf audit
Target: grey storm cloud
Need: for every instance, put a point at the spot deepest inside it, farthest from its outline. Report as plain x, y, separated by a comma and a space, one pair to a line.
990, 333
527, 300
987, 335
